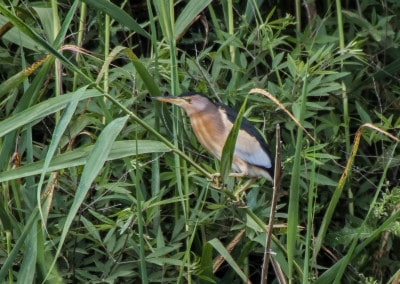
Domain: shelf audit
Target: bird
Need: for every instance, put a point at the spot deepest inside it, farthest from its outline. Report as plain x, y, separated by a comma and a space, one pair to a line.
212, 123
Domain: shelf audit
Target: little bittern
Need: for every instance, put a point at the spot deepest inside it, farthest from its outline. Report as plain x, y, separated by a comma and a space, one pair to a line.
212, 124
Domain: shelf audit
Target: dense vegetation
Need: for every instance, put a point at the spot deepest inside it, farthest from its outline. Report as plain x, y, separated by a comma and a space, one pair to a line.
101, 184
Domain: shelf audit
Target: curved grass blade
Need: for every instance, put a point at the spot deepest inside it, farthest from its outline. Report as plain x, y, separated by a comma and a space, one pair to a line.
56, 137
229, 259
79, 157
41, 110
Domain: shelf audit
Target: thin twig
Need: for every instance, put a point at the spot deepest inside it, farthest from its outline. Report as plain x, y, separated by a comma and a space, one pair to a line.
277, 180
280, 276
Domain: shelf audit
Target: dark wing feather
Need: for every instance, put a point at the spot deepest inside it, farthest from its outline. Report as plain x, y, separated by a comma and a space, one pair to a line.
252, 131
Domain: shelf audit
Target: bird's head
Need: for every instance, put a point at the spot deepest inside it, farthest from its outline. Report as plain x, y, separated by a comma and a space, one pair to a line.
191, 102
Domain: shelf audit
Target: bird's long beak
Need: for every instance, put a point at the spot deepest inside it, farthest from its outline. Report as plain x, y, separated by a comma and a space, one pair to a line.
171, 99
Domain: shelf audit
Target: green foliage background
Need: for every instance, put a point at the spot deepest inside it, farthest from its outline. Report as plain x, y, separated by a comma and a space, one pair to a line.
101, 184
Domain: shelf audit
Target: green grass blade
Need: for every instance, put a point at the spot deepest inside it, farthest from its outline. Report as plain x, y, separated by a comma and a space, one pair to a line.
191, 10
56, 137
293, 208
118, 14
11, 258
229, 147
66, 24
165, 12
148, 80
310, 223
206, 262
27, 271
155, 165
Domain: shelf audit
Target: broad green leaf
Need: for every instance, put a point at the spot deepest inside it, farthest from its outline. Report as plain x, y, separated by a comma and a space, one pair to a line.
161, 261
92, 230
365, 117
48, 21
206, 267
163, 251
325, 90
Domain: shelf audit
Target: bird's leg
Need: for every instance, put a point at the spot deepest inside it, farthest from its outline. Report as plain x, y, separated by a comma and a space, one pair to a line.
237, 175
244, 187
216, 178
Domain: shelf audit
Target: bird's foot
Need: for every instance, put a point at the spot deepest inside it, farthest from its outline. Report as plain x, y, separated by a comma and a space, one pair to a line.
215, 180
240, 203
243, 188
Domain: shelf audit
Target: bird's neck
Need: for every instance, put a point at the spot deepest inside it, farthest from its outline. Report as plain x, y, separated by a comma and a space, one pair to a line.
208, 118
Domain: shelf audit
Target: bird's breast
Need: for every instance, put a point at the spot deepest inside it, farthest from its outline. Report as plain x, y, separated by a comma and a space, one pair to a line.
210, 132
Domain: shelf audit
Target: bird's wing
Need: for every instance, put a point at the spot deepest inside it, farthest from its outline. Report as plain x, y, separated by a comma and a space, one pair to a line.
249, 149
250, 145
